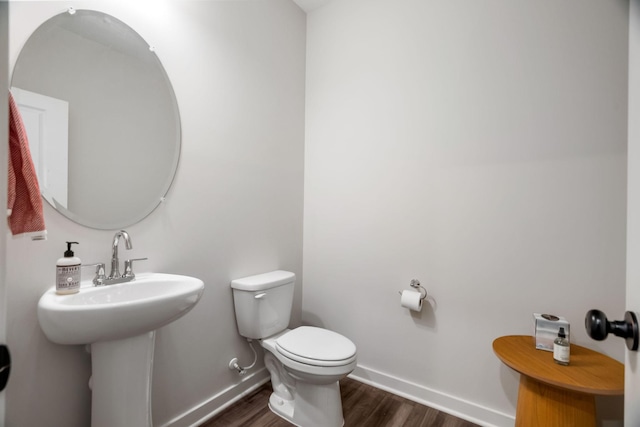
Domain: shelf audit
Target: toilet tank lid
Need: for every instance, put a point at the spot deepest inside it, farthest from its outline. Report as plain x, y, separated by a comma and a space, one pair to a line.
263, 281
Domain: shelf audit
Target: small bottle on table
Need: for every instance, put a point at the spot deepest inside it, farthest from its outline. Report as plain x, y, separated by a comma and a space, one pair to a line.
561, 349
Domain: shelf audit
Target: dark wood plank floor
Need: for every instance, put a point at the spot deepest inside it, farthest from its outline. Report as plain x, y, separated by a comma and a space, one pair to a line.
363, 406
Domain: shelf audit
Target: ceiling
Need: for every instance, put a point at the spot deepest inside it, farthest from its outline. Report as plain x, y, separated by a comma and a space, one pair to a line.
309, 5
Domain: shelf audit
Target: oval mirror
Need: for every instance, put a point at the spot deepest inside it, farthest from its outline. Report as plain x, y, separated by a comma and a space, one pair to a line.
101, 118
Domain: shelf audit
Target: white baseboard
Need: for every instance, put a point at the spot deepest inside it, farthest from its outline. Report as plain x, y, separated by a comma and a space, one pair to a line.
434, 399
219, 402
455, 406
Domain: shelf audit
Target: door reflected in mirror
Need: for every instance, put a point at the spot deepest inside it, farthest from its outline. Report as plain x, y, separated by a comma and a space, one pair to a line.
101, 117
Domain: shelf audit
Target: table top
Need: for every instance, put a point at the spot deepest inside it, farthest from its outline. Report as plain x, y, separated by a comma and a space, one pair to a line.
588, 371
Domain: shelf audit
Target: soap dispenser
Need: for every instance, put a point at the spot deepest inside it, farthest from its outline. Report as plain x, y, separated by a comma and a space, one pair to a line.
68, 272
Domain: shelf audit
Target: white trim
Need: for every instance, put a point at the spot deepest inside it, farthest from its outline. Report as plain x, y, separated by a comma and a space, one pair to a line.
444, 402
632, 358
435, 399
4, 162
217, 403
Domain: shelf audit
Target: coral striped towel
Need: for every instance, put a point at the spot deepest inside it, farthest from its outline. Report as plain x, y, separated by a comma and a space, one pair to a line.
24, 204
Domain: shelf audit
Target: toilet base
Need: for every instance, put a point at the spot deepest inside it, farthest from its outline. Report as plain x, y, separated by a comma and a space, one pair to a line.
282, 408
305, 395
314, 405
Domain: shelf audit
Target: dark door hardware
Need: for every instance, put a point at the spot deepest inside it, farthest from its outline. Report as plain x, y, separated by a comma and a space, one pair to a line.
598, 327
5, 366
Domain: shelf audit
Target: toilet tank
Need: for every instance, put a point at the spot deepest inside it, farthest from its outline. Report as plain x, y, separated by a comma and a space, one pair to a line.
263, 303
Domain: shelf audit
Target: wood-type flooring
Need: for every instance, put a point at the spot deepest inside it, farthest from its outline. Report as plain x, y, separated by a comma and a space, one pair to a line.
362, 405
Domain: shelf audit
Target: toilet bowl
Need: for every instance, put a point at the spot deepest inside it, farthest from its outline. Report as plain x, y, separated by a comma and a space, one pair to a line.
305, 363
304, 375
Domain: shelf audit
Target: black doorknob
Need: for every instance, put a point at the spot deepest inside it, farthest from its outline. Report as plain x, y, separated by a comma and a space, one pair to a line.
598, 327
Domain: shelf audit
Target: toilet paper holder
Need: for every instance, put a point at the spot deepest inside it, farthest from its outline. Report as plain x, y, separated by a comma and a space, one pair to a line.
415, 284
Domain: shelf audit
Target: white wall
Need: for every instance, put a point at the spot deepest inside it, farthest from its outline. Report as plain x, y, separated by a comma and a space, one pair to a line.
479, 147
235, 208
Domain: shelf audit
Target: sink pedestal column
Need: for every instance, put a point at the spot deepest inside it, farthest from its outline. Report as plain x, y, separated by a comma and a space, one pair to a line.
121, 376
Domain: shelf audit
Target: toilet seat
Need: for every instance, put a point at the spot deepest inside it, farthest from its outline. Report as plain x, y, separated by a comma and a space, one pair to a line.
316, 347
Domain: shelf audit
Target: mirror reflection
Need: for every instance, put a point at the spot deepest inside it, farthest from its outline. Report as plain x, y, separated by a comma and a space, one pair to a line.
101, 117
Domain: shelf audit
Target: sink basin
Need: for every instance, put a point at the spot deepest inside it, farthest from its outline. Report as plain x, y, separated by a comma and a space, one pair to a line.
114, 312
119, 322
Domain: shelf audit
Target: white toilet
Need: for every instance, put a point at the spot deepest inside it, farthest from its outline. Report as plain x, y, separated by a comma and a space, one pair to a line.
305, 363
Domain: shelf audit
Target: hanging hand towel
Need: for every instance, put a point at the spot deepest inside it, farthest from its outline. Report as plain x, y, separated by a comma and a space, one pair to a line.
24, 204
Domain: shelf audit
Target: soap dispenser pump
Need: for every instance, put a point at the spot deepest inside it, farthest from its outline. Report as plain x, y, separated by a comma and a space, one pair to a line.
68, 272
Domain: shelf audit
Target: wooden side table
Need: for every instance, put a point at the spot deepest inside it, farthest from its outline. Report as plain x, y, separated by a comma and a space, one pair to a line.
553, 395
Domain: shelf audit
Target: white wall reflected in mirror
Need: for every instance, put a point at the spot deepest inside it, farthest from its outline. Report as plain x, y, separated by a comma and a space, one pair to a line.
46, 121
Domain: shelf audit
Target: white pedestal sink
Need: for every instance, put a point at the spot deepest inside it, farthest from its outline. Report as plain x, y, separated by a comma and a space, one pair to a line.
119, 322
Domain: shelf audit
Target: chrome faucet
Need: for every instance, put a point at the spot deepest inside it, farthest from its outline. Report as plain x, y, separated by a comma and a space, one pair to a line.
115, 262
115, 276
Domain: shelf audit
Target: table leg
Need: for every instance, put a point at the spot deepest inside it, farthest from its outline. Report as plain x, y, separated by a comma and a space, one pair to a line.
541, 405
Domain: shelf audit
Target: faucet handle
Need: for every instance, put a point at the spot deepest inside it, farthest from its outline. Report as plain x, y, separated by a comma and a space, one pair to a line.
99, 278
128, 267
